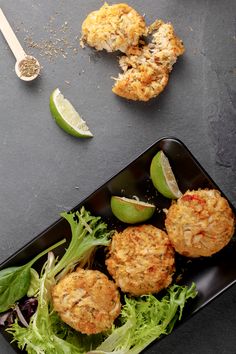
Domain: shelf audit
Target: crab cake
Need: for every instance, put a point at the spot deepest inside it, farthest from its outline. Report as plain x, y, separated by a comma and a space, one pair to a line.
115, 27
200, 223
87, 301
141, 260
146, 69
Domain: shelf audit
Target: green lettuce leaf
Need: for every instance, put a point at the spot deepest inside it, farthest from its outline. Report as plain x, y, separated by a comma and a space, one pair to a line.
88, 232
145, 319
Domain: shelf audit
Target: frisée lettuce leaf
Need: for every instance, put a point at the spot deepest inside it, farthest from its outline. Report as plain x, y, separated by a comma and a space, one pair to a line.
145, 319
88, 232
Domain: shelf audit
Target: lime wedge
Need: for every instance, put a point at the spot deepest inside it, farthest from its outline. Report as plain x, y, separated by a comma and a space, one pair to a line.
131, 211
67, 117
163, 177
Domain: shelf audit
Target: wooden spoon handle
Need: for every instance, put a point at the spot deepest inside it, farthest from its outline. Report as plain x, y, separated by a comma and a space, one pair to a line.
11, 38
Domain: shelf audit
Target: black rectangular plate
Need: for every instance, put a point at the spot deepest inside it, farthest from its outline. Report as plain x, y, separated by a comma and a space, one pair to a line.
212, 275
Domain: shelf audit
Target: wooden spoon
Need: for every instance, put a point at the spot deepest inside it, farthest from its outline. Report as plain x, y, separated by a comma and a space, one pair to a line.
27, 68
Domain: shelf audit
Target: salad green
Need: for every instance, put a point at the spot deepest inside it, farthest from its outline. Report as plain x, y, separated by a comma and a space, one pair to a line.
15, 281
142, 320
145, 319
88, 232
41, 334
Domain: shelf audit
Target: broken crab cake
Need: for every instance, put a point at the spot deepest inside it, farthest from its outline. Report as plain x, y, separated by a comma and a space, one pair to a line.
113, 27
146, 69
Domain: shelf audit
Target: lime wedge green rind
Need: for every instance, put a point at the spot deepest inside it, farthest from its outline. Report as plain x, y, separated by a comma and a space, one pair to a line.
131, 211
67, 117
163, 178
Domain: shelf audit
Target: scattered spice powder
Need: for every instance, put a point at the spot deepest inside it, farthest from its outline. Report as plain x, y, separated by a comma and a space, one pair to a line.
59, 40
29, 67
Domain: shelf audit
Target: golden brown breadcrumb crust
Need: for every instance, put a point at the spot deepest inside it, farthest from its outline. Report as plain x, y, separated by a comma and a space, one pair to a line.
87, 301
113, 27
146, 69
141, 260
200, 223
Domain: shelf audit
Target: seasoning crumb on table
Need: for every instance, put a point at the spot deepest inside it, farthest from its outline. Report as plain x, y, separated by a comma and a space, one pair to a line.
58, 42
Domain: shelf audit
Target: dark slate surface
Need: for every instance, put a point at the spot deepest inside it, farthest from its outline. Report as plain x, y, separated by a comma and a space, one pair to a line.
44, 171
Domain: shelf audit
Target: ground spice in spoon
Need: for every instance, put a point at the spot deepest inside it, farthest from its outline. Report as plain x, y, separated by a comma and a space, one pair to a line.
29, 67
